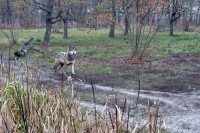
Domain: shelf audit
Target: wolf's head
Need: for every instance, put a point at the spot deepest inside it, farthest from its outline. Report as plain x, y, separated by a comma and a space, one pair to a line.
72, 51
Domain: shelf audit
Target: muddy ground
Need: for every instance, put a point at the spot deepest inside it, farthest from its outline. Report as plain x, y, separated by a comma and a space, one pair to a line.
174, 81
177, 73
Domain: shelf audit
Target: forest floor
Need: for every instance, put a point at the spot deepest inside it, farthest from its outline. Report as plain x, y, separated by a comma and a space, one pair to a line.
172, 81
169, 75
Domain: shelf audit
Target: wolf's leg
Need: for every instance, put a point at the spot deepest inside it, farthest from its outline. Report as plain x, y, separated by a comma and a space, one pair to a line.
61, 69
55, 67
73, 68
62, 65
64, 70
56, 64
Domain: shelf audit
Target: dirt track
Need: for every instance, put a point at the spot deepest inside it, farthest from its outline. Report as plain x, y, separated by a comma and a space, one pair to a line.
180, 109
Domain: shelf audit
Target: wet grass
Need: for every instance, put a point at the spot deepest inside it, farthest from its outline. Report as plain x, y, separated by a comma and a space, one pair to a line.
96, 44
182, 42
84, 68
75, 36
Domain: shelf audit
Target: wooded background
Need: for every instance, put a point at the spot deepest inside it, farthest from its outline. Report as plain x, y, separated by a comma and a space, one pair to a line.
139, 19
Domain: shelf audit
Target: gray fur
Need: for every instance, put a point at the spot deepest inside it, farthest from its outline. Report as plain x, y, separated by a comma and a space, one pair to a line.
65, 59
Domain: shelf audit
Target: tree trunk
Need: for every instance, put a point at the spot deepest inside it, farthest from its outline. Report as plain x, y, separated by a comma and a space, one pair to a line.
171, 27
112, 27
65, 35
191, 13
39, 18
48, 22
118, 18
9, 13
197, 17
48, 31
3, 21
126, 18
186, 26
112, 30
185, 22
126, 25
198, 20
172, 13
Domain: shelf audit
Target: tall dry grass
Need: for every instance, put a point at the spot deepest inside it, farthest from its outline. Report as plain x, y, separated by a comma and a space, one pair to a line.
26, 108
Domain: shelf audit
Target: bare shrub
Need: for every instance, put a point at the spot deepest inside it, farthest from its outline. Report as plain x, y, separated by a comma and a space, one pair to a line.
12, 36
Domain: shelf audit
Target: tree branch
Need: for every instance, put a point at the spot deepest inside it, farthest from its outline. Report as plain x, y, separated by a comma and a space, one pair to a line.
40, 6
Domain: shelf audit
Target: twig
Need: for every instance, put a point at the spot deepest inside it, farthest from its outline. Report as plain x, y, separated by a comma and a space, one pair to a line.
71, 117
156, 116
127, 124
139, 87
4, 122
116, 113
150, 117
138, 95
1, 67
113, 127
94, 100
124, 108
22, 108
9, 66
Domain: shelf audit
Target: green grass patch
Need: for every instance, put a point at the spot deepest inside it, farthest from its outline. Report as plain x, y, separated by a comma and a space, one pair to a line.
93, 68
182, 42
97, 44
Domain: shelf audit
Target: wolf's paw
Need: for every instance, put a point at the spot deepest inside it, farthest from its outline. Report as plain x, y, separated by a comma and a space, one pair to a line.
69, 79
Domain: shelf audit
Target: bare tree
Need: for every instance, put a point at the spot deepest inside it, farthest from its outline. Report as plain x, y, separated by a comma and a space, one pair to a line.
144, 19
3, 13
174, 14
112, 27
11, 36
126, 6
72, 11
52, 16
187, 9
65, 16
196, 5
198, 13
9, 12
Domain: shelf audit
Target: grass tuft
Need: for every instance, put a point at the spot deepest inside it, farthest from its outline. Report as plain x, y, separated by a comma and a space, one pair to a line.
29, 107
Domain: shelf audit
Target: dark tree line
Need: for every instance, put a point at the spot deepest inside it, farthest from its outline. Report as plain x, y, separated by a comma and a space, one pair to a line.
95, 14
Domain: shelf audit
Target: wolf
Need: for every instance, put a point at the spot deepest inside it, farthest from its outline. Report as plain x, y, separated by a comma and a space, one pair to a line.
21, 53
65, 59
24, 51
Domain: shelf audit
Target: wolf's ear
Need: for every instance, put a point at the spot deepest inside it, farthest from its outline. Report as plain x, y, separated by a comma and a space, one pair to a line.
69, 48
75, 48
